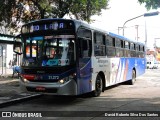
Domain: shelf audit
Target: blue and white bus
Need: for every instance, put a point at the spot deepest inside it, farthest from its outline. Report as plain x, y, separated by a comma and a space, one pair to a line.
69, 57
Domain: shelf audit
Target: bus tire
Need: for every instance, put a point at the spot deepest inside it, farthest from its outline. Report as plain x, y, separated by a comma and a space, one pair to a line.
98, 86
133, 80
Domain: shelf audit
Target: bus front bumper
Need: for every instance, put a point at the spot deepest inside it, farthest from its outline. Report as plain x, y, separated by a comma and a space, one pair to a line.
68, 88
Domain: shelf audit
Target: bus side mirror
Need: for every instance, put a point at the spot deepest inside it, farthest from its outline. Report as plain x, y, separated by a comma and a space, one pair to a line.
17, 50
17, 46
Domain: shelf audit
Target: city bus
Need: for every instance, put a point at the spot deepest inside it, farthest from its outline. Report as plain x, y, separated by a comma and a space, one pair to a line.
70, 57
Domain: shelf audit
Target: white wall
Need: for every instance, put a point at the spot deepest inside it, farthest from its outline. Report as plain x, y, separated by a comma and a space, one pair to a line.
9, 54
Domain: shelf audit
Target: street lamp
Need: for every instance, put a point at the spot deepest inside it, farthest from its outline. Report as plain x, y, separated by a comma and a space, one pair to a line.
144, 15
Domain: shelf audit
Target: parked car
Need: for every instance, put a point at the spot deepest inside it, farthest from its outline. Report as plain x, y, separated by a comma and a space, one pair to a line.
152, 65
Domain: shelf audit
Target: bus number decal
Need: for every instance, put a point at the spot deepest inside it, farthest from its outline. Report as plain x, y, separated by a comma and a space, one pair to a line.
53, 77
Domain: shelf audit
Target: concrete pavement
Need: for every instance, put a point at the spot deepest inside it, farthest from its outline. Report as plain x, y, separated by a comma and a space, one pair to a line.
9, 87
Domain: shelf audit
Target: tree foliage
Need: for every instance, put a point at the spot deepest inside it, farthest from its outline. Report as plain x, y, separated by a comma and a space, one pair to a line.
150, 4
15, 12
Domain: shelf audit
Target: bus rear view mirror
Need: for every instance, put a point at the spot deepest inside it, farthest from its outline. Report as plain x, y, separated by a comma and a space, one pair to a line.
17, 46
17, 50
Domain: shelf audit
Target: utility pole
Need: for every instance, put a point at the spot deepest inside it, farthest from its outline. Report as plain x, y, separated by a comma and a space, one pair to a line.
119, 28
136, 26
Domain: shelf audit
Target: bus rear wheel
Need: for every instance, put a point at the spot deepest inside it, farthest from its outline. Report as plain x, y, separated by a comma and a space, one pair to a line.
133, 80
98, 86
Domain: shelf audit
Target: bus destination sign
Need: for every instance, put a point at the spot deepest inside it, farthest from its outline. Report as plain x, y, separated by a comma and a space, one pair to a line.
47, 26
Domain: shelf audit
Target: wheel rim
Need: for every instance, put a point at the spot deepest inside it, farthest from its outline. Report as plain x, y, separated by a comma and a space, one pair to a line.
133, 77
99, 85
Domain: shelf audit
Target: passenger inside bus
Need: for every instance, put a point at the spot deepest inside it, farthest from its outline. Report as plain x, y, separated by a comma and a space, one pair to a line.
52, 53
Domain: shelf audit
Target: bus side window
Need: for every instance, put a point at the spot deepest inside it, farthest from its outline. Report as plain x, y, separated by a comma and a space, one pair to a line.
100, 45
85, 48
110, 45
85, 43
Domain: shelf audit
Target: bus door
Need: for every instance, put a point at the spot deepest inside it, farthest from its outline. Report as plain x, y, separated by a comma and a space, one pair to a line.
84, 81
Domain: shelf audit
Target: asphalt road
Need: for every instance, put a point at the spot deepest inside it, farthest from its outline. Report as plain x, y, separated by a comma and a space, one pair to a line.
120, 102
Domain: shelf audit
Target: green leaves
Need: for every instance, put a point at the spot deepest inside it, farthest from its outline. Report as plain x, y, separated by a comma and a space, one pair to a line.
16, 12
150, 4
88, 8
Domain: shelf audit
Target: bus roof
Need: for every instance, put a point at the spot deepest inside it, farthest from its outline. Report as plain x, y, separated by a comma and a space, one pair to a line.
123, 38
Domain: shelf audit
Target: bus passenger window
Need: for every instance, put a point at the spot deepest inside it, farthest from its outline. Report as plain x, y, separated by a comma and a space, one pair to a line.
99, 47
85, 47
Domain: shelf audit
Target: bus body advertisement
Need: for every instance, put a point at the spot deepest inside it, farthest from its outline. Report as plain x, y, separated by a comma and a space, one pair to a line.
69, 57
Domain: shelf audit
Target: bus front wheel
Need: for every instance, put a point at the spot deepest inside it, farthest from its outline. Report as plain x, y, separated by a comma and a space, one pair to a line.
98, 86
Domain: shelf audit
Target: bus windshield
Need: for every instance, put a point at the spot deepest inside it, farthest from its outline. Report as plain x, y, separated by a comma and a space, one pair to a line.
49, 51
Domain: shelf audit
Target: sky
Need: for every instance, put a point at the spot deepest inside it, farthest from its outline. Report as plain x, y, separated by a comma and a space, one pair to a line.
122, 10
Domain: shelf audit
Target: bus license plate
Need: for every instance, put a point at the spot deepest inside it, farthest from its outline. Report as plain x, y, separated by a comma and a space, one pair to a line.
39, 88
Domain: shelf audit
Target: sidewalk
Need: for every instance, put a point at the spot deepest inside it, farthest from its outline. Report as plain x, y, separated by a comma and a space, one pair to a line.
5, 72
9, 88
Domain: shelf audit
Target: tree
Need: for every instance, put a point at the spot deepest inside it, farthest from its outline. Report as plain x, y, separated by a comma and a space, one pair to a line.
16, 12
150, 4
6, 13
87, 8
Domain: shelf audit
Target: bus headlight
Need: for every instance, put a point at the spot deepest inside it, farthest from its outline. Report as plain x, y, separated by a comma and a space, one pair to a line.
61, 81
23, 79
64, 80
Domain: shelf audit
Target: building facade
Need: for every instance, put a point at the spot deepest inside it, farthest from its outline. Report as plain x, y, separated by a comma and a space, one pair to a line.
6, 54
